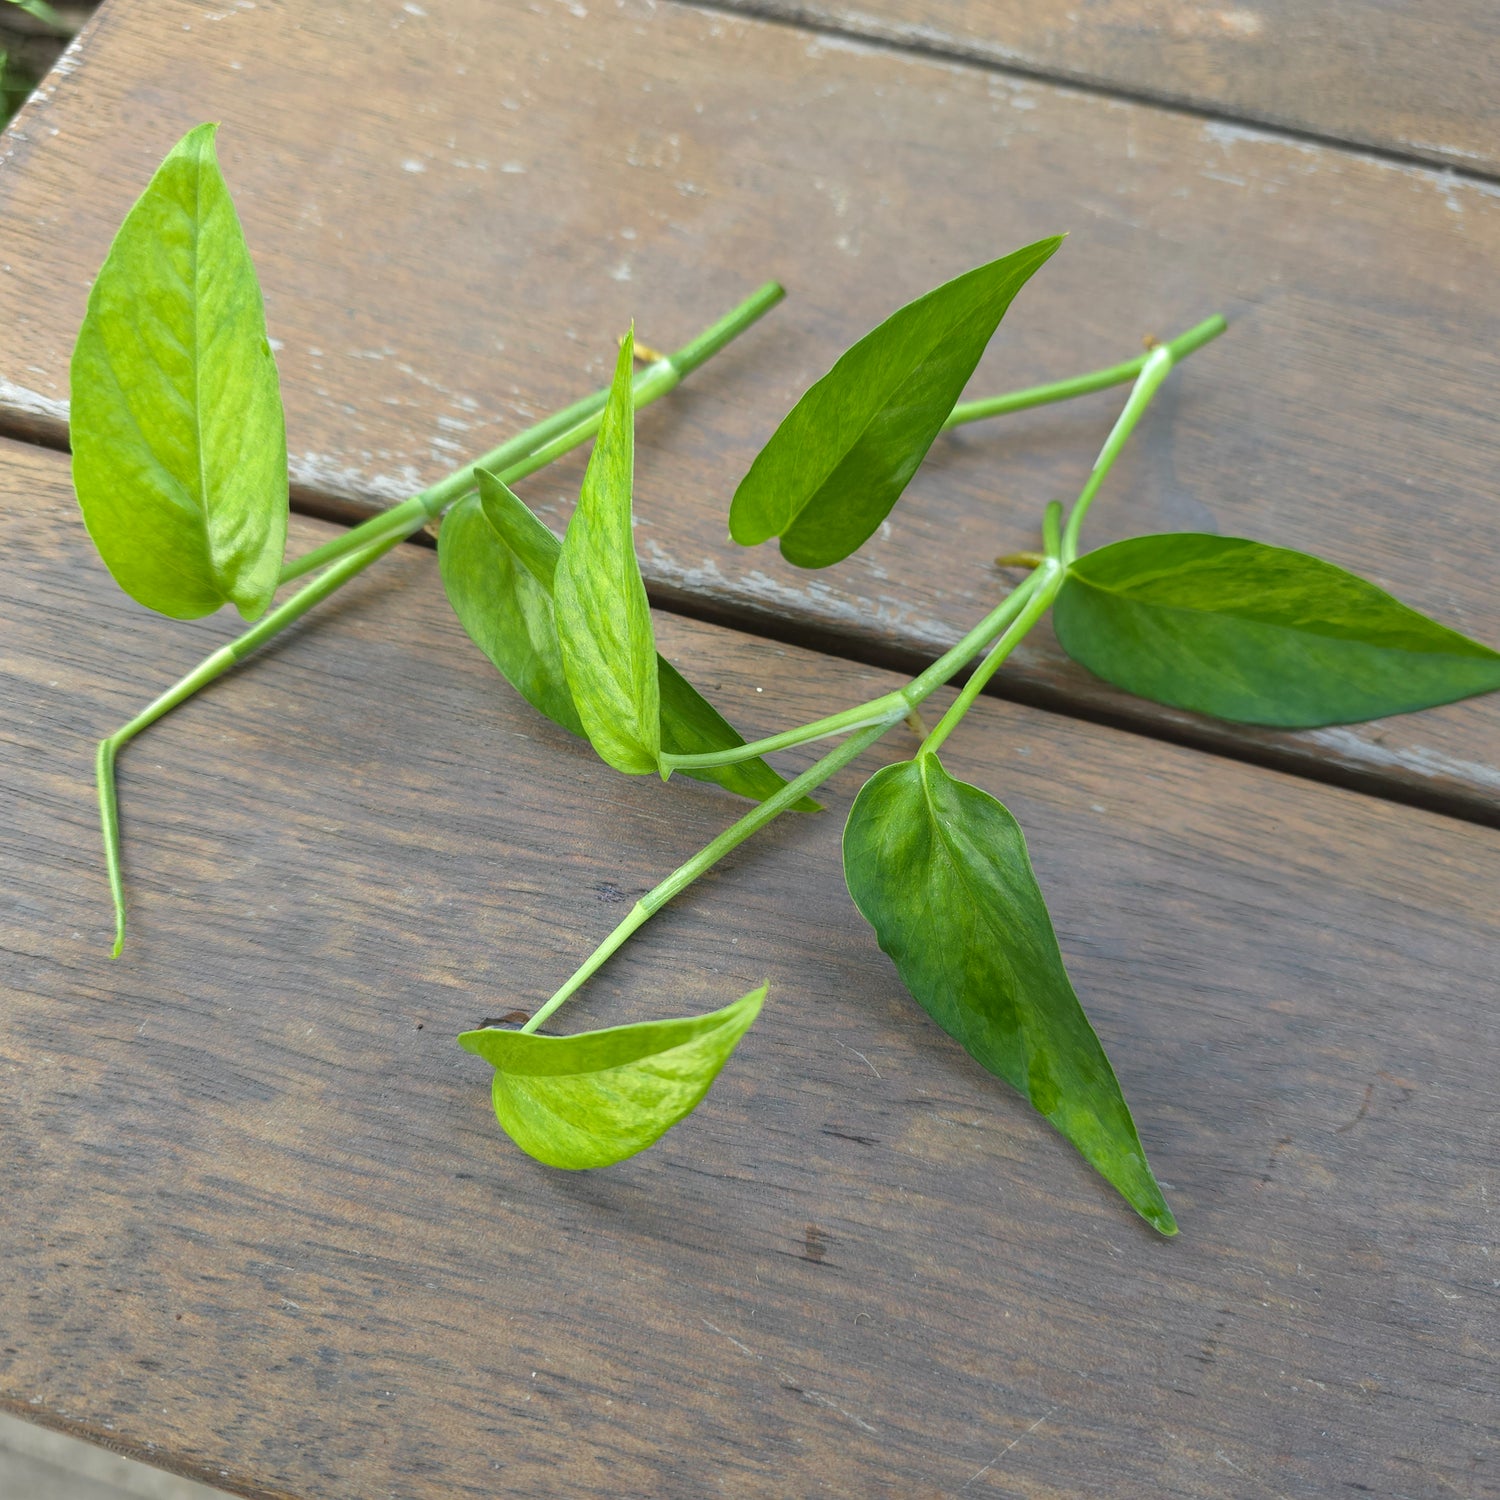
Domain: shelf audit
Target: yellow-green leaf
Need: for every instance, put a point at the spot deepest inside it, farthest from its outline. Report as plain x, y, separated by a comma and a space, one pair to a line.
595, 1098
603, 618
179, 446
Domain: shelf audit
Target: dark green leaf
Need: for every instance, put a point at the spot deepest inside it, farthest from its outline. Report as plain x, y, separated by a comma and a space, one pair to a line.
506, 611
603, 619
1258, 634
940, 871
845, 452
594, 1099
179, 448
511, 619
691, 725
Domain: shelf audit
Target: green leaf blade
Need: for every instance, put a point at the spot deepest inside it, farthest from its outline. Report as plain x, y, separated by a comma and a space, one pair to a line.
178, 436
940, 870
843, 455
1258, 634
597, 1098
506, 611
691, 725
603, 617
511, 618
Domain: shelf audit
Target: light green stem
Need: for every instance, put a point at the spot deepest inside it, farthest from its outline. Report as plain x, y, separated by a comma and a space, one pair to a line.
212, 666
1082, 385
1050, 576
878, 710
1156, 370
732, 837
533, 449
357, 548
899, 705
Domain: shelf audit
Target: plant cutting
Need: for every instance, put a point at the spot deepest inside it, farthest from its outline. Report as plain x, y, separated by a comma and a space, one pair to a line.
180, 469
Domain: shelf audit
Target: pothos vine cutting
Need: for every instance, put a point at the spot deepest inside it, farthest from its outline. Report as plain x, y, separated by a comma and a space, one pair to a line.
179, 462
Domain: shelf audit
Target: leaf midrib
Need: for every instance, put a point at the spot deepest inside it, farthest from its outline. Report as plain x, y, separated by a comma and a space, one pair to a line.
949, 854
1482, 653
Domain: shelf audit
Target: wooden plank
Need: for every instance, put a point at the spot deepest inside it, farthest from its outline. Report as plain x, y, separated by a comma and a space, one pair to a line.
449, 248
1419, 80
260, 1223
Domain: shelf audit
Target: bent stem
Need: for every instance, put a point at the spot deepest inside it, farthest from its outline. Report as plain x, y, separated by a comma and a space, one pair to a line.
357, 548
212, 666
531, 450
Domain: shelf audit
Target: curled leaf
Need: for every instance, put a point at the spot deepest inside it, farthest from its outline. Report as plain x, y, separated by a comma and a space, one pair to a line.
603, 618
498, 562
596, 1098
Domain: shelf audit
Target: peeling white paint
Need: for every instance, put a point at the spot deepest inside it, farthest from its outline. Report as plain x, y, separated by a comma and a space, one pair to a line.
32, 403
1354, 748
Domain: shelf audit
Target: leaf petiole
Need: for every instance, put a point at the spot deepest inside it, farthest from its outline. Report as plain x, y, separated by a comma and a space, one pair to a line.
1156, 369
900, 703
732, 837
1049, 579
1083, 385
212, 666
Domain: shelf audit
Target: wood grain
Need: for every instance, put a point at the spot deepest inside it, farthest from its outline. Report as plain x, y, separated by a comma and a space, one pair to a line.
451, 233
1421, 80
260, 1224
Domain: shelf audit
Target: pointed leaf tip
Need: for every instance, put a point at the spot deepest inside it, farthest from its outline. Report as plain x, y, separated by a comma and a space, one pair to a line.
940, 870
1258, 634
843, 455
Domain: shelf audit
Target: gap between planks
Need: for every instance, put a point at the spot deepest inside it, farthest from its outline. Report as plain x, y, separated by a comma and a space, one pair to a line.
934, 49
45, 428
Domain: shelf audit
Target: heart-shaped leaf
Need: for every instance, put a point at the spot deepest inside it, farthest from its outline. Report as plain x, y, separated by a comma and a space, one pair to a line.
1258, 634
940, 871
596, 1098
603, 619
179, 445
845, 452
498, 563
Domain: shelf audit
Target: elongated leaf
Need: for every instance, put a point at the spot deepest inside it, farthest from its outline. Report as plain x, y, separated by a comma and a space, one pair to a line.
845, 452
603, 619
594, 1099
1258, 634
940, 871
179, 446
511, 619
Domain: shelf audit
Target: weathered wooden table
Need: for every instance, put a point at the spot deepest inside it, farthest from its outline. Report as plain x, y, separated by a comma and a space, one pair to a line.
259, 1224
